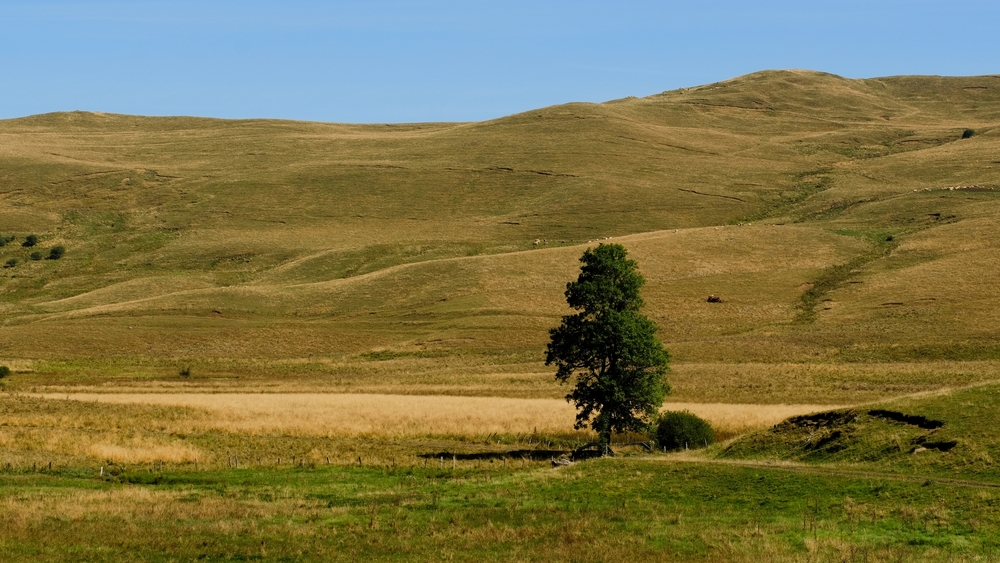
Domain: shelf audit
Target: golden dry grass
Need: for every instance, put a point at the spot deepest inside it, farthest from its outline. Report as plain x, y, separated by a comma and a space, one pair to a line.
401, 416
114, 446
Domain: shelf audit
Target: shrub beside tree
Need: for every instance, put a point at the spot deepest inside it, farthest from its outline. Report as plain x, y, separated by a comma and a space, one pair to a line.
56, 252
4, 371
29, 241
609, 347
682, 429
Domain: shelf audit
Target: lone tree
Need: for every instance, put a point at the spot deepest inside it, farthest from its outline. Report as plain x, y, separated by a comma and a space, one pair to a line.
609, 346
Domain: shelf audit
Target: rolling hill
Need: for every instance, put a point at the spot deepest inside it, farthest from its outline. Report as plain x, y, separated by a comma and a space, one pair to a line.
850, 226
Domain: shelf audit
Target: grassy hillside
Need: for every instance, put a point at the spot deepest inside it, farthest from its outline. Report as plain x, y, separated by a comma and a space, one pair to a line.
841, 221
944, 434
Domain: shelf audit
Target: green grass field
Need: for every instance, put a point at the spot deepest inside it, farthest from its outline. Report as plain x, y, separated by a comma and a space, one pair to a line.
849, 226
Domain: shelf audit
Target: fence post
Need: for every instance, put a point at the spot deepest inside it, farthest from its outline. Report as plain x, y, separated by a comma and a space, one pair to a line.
454, 461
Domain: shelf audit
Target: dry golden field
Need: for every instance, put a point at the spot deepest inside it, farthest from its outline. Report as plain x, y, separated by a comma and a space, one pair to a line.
92, 426
408, 416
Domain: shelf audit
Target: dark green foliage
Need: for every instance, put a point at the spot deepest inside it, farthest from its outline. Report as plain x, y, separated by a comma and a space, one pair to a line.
29, 241
609, 346
10, 263
4, 241
4, 371
968, 133
56, 252
185, 371
36, 255
680, 429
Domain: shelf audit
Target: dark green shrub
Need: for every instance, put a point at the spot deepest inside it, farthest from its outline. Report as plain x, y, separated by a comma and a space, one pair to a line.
10, 263
29, 241
4, 371
679, 429
968, 133
185, 371
36, 255
4, 241
56, 252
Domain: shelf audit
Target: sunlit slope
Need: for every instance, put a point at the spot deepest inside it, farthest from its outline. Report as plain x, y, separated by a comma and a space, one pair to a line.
505, 301
199, 238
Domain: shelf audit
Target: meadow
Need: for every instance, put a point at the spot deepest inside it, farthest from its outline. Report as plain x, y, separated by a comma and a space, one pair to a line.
310, 341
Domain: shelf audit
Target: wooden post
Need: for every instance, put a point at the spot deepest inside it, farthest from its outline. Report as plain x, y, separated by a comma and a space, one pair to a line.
454, 461
102, 471
442, 462
328, 460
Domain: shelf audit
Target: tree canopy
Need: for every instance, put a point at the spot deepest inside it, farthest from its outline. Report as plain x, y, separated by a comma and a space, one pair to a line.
609, 346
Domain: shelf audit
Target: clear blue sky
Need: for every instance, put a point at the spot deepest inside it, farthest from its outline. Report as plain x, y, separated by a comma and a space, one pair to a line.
450, 60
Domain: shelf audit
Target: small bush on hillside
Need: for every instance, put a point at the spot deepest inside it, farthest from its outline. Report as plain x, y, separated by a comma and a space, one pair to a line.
679, 428
185, 371
968, 133
10, 263
4, 241
36, 255
29, 241
56, 252
4, 371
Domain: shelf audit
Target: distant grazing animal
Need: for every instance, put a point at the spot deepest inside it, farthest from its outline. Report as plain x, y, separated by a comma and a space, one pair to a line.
714, 299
